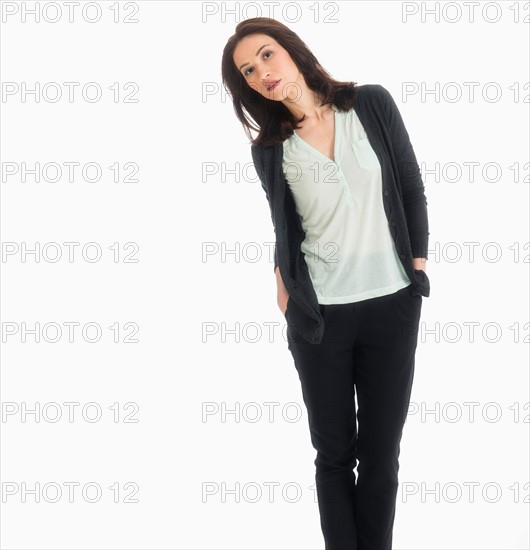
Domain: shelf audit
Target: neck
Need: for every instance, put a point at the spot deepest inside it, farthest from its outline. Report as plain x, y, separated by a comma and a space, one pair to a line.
306, 102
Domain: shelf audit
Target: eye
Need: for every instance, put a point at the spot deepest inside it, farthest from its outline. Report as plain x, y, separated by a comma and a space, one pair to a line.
266, 53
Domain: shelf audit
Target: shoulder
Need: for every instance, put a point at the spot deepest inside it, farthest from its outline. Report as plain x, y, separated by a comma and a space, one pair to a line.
265, 153
258, 153
374, 93
265, 157
376, 100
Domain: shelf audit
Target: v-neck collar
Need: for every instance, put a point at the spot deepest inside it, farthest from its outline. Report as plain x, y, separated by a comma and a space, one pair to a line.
336, 138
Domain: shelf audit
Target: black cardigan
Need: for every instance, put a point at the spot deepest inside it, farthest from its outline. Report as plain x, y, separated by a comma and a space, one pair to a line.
403, 197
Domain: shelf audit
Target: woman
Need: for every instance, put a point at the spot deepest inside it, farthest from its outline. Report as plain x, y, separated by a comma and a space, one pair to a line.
350, 216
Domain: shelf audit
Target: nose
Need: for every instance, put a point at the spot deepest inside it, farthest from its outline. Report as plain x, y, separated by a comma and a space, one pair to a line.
264, 74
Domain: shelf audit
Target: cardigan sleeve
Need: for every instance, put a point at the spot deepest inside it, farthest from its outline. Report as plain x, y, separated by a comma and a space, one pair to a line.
412, 187
261, 176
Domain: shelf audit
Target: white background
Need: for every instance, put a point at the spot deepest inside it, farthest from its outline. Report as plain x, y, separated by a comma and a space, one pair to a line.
199, 475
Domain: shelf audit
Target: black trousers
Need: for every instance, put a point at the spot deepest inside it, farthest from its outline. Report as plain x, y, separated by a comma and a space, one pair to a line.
368, 349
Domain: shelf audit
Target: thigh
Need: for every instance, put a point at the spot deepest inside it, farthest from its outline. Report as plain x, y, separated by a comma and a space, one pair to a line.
389, 325
325, 371
384, 358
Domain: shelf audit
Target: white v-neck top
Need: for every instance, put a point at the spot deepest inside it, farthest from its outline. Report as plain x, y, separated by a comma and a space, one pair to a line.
348, 248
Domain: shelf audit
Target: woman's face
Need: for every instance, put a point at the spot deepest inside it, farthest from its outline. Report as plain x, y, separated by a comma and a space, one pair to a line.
268, 68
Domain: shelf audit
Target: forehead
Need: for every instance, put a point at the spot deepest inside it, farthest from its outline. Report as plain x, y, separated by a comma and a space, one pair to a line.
246, 48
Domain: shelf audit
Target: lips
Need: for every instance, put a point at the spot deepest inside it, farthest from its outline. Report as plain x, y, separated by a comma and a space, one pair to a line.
272, 84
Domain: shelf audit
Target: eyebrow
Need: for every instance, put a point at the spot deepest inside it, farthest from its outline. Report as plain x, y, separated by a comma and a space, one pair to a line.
257, 53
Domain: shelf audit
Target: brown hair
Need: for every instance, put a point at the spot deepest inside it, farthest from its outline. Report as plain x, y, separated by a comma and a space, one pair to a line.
275, 122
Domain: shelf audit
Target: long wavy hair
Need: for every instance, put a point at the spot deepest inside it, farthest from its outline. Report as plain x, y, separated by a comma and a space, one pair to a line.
275, 123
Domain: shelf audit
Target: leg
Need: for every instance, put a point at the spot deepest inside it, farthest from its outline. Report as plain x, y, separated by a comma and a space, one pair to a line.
383, 371
326, 376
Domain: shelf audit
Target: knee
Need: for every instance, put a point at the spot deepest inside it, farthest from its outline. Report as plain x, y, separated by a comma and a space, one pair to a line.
336, 460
